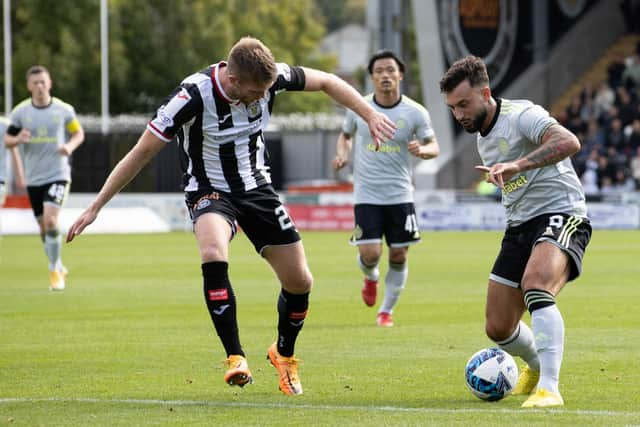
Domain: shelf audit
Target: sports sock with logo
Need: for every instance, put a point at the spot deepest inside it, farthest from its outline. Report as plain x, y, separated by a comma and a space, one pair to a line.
292, 310
547, 325
522, 344
52, 244
221, 303
393, 285
371, 272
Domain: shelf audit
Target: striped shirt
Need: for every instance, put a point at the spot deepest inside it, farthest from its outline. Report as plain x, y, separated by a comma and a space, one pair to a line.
221, 141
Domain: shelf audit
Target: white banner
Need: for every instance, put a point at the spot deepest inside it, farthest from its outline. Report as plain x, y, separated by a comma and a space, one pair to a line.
490, 216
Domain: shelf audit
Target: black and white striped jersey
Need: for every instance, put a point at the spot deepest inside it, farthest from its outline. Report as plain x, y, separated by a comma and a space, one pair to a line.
221, 141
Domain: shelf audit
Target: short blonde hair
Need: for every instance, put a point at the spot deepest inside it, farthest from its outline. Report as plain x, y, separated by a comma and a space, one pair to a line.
251, 60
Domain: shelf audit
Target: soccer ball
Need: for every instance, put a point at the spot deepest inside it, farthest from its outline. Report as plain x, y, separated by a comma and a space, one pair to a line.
491, 374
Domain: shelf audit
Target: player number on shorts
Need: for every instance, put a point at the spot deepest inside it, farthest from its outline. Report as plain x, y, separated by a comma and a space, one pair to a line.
556, 221
411, 223
283, 218
56, 192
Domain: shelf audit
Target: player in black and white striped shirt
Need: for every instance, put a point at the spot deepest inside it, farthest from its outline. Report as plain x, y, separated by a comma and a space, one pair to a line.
218, 117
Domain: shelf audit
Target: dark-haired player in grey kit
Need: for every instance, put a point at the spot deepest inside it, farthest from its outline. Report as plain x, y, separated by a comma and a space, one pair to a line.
382, 181
526, 153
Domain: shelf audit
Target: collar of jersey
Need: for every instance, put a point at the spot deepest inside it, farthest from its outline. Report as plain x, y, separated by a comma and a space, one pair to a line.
215, 78
494, 119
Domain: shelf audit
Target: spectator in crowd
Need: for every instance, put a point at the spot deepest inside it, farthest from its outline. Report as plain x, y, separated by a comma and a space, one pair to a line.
614, 72
589, 177
604, 98
635, 167
633, 138
631, 74
627, 108
623, 181
615, 136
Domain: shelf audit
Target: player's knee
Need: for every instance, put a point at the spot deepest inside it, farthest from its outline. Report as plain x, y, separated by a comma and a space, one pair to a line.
497, 331
369, 257
398, 255
537, 280
300, 282
212, 252
50, 223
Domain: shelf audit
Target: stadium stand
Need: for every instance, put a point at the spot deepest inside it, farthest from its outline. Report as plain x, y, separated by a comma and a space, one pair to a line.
603, 109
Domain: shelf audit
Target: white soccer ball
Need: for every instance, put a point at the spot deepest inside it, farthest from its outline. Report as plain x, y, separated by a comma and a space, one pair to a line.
491, 374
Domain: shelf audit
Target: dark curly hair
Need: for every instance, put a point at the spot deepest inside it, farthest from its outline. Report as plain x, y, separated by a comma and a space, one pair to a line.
469, 68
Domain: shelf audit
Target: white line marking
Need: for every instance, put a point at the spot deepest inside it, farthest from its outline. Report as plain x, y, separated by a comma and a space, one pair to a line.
5, 400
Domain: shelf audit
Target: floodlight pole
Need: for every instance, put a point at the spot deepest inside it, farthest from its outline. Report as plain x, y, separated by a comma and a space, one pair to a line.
8, 79
104, 64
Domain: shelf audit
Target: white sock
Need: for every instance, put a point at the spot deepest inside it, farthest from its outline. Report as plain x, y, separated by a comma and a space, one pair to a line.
548, 330
370, 272
521, 344
393, 285
52, 249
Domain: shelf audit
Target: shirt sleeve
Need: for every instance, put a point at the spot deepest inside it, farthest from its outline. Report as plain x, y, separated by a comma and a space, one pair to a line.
533, 122
424, 129
289, 78
182, 105
15, 123
349, 123
72, 124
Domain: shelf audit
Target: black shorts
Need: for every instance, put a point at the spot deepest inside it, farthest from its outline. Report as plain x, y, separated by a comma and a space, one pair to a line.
259, 213
398, 224
569, 233
54, 193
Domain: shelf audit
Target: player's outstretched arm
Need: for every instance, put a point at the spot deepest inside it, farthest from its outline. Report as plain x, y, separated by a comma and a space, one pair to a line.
145, 149
380, 126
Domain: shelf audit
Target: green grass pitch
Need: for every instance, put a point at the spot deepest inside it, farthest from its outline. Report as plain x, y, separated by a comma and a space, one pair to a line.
130, 343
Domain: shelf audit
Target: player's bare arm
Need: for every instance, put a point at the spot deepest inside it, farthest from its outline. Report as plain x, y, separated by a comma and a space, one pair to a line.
145, 149
343, 149
76, 139
380, 126
22, 137
18, 169
556, 145
426, 149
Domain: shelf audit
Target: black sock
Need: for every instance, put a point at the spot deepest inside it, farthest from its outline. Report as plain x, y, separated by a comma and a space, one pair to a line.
292, 310
221, 303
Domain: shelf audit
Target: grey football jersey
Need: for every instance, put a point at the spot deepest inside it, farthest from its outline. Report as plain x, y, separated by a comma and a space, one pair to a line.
384, 177
4, 123
518, 131
50, 127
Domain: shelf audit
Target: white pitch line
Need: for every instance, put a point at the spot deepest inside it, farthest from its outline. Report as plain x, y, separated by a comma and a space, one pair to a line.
6, 400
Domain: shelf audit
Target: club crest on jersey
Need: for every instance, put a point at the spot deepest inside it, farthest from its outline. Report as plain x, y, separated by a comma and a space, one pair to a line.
205, 201
503, 146
254, 109
357, 232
